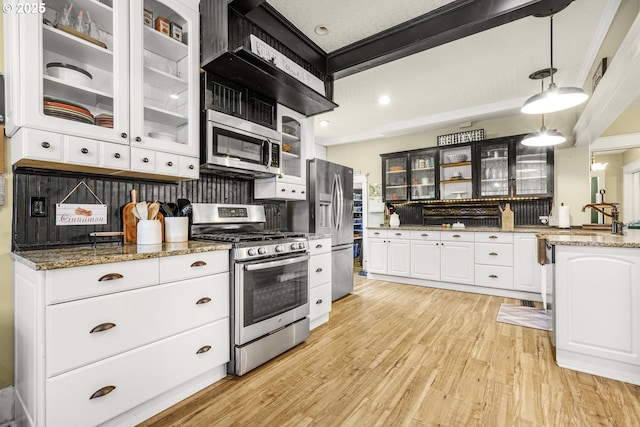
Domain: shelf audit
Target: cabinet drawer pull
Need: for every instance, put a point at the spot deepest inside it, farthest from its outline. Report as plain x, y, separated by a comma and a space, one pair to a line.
110, 276
493, 254
169, 164
116, 155
145, 160
284, 189
302, 192
103, 327
319, 302
203, 300
123, 135
203, 349
424, 235
138, 139
199, 264
493, 237
318, 246
103, 391
45, 144
191, 167
456, 236
319, 270
84, 151
493, 276
398, 234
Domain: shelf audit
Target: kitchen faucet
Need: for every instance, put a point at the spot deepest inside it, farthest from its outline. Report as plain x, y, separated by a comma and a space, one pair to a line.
616, 225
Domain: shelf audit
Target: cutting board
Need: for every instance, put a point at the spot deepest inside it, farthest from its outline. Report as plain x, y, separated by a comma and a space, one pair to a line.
129, 221
507, 217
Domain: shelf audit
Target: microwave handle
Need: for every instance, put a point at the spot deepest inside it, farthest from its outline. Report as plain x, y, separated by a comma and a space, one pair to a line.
266, 152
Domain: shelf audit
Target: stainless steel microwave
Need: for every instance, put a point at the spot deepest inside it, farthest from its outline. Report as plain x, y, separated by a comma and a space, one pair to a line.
237, 146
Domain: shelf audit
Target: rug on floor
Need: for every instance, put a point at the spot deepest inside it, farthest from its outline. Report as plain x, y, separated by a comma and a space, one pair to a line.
529, 317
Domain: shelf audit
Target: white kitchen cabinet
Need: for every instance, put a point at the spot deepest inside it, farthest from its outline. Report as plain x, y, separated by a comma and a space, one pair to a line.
425, 255
297, 140
118, 342
319, 281
457, 262
390, 254
494, 260
143, 91
597, 309
527, 273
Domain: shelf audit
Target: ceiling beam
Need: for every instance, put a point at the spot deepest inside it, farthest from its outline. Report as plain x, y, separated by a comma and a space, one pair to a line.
451, 22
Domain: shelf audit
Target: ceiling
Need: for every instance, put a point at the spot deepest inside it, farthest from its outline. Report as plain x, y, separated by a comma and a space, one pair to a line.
481, 76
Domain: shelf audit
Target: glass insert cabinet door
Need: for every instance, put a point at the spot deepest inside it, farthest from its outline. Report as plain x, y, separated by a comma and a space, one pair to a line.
395, 178
533, 170
423, 175
456, 173
494, 170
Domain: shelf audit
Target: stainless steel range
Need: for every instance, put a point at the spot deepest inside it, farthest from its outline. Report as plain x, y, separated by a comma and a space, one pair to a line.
269, 285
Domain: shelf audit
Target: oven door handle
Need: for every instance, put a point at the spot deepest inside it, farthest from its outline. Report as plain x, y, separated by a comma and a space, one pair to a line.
278, 263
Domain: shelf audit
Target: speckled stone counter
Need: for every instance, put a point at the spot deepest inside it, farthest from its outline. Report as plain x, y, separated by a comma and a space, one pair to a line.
50, 259
526, 229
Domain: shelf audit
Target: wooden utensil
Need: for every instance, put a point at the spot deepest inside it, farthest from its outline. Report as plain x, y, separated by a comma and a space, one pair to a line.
129, 221
143, 211
154, 208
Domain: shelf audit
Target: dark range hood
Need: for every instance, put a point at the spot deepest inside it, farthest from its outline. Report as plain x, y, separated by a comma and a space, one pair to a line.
226, 52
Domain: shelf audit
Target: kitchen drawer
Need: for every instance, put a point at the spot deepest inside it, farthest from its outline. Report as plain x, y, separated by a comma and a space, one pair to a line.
484, 237
319, 269
167, 164
291, 191
377, 233
67, 284
398, 234
37, 145
319, 246
143, 160
114, 156
425, 235
457, 236
189, 167
137, 376
193, 265
319, 301
493, 276
139, 317
81, 151
494, 254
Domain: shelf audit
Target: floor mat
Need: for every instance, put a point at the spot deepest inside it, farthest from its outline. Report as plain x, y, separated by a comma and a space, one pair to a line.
528, 317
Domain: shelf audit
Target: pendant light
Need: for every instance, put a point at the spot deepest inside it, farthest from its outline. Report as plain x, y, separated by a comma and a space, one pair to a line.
597, 167
554, 98
543, 138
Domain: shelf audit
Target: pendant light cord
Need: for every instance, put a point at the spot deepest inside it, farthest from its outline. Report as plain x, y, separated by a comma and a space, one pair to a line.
551, 48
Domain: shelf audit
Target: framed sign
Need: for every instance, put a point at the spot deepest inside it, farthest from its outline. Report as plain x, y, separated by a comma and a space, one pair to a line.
83, 213
597, 75
461, 137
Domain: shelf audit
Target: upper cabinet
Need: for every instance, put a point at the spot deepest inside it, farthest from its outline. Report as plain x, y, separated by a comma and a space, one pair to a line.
95, 73
297, 140
249, 51
493, 168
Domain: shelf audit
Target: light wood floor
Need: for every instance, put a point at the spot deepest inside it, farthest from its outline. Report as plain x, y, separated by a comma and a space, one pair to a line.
400, 355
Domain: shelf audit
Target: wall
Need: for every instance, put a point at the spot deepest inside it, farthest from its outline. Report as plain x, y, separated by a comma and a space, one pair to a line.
6, 271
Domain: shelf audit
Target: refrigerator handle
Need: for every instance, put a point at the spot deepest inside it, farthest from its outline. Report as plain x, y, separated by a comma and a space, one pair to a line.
340, 201
334, 203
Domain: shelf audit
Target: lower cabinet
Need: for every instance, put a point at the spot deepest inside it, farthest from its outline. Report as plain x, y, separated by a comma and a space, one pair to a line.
597, 311
527, 272
95, 342
425, 255
494, 260
319, 281
390, 254
457, 261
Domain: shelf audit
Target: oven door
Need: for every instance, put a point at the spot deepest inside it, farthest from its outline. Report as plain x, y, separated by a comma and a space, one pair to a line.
269, 294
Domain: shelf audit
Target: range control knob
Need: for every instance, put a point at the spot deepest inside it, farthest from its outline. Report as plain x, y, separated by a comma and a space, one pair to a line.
279, 248
301, 245
294, 246
262, 250
252, 252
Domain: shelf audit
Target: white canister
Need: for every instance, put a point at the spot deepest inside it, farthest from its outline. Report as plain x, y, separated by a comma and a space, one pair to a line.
149, 232
176, 229
394, 221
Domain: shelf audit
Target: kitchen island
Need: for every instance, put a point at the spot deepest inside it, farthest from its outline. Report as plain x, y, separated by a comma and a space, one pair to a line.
111, 335
596, 303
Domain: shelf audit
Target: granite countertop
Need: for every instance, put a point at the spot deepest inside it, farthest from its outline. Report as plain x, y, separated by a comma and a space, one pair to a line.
555, 236
50, 259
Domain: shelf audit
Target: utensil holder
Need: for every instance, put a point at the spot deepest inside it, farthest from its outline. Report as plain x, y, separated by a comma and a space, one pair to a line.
149, 232
176, 229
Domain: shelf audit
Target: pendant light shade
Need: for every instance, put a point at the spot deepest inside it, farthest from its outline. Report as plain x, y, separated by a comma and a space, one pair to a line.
543, 138
555, 98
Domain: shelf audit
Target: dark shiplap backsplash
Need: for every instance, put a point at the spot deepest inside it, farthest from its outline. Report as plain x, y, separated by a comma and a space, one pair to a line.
38, 233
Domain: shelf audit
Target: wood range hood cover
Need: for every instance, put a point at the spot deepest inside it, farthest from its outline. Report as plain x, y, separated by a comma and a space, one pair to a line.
226, 52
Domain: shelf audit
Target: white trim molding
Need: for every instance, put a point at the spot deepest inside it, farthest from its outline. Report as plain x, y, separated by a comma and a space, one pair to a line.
631, 190
6, 405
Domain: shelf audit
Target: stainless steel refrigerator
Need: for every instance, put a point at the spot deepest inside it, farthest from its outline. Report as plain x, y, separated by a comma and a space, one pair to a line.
328, 210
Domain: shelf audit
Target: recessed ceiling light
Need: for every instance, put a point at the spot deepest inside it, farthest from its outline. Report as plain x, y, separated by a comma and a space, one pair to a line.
324, 123
321, 30
384, 100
